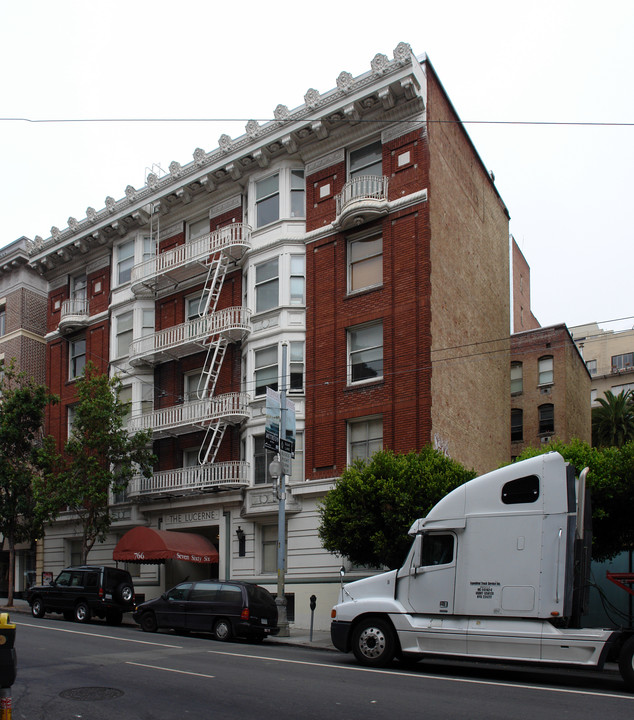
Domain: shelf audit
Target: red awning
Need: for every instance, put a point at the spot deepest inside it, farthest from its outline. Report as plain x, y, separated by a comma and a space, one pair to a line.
146, 545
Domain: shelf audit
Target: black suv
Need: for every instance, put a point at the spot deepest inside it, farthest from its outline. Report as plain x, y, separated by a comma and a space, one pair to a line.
225, 608
83, 591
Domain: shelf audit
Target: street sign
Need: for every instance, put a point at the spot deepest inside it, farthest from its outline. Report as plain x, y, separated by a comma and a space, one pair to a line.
273, 418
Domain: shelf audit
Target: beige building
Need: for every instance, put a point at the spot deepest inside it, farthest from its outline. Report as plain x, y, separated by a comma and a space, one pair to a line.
609, 357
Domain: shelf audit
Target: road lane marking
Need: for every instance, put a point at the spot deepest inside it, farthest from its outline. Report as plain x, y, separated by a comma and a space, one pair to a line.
172, 670
468, 681
99, 635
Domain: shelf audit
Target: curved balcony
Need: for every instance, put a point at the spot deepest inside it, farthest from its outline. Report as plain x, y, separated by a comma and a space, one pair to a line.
232, 324
190, 259
196, 479
362, 199
189, 417
74, 315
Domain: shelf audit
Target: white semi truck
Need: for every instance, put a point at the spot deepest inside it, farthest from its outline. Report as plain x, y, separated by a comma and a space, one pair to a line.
498, 570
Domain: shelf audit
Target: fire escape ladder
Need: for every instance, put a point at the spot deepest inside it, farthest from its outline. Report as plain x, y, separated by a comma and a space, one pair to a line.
211, 368
213, 284
211, 443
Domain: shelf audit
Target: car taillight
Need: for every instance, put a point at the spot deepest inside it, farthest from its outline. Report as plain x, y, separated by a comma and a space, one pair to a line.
101, 593
244, 615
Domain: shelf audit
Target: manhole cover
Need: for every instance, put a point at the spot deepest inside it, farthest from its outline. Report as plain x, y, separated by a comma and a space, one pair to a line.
91, 693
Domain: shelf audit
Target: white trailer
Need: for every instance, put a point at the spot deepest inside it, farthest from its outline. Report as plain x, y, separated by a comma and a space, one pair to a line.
498, 570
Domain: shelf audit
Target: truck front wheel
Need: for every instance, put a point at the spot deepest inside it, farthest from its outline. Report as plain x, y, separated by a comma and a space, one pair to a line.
626, 663
373, 642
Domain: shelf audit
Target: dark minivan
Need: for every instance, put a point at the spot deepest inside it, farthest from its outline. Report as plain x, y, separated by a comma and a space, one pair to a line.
227, 609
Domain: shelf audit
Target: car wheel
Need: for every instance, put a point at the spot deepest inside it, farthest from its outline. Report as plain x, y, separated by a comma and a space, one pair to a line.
222, 630
125, 593
114, 617
373, 642
38, 608
82, 612
148, 622
626, 663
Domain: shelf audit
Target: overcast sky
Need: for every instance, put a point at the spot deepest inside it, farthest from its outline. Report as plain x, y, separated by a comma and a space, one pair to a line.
516, 65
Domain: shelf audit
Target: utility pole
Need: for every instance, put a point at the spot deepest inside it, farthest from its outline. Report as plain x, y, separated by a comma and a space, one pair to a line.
282, 618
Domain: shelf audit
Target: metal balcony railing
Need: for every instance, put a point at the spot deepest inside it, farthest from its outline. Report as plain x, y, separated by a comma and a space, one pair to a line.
231, 324
200, 478
181, 419
232, 241
363, 188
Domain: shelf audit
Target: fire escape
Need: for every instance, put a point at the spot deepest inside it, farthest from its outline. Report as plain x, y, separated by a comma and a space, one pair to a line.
212, 330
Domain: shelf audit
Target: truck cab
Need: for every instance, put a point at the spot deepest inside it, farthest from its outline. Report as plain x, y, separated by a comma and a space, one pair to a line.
498, 569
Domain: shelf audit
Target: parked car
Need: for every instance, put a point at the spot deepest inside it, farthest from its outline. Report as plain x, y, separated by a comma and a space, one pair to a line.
226, 609
80, 592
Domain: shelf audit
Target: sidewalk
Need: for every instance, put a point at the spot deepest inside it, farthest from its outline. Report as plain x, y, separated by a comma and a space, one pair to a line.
298, 636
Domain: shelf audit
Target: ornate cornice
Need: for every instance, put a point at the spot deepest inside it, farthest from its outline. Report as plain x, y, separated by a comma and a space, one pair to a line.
347, 102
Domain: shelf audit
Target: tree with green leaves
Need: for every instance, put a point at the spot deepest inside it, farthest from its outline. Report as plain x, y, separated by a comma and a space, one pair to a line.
100, 456
367, 515
611, 483
24, 508
613, 419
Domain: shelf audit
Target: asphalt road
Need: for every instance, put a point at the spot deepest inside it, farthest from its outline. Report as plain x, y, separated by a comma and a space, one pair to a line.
96, 672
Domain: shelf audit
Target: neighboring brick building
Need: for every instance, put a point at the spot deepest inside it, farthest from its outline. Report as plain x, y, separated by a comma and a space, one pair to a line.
22, 329
362, 231
609, 356
523, 318
550, 389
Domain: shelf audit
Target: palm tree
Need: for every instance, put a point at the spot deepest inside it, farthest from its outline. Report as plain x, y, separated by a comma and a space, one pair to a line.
613, 420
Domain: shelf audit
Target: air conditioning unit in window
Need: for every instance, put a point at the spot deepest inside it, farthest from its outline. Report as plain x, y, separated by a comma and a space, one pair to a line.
545, 440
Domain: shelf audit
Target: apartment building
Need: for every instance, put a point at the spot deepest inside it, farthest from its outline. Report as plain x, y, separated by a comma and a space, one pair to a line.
361, 237
550, 389
609, 356
23, 297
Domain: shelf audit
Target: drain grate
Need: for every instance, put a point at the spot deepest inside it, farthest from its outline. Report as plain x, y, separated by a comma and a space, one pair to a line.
91, 693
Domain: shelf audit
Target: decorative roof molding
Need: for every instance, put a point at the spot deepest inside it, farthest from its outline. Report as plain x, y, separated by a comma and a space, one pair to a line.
232, 203
210, 168
333, 158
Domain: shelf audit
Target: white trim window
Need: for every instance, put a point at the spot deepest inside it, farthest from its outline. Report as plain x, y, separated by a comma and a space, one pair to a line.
267, 285
365, 263
125, 398
366, 160
296, 367
125, 262
262, 458
267, 200
298, 194
365, 437
147, 322
545, 370
192, 385
197, 229
79, 287
77, 357
297, 287
365, 353
125, 333
279, 196
269, 539
266, 369
517, 381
